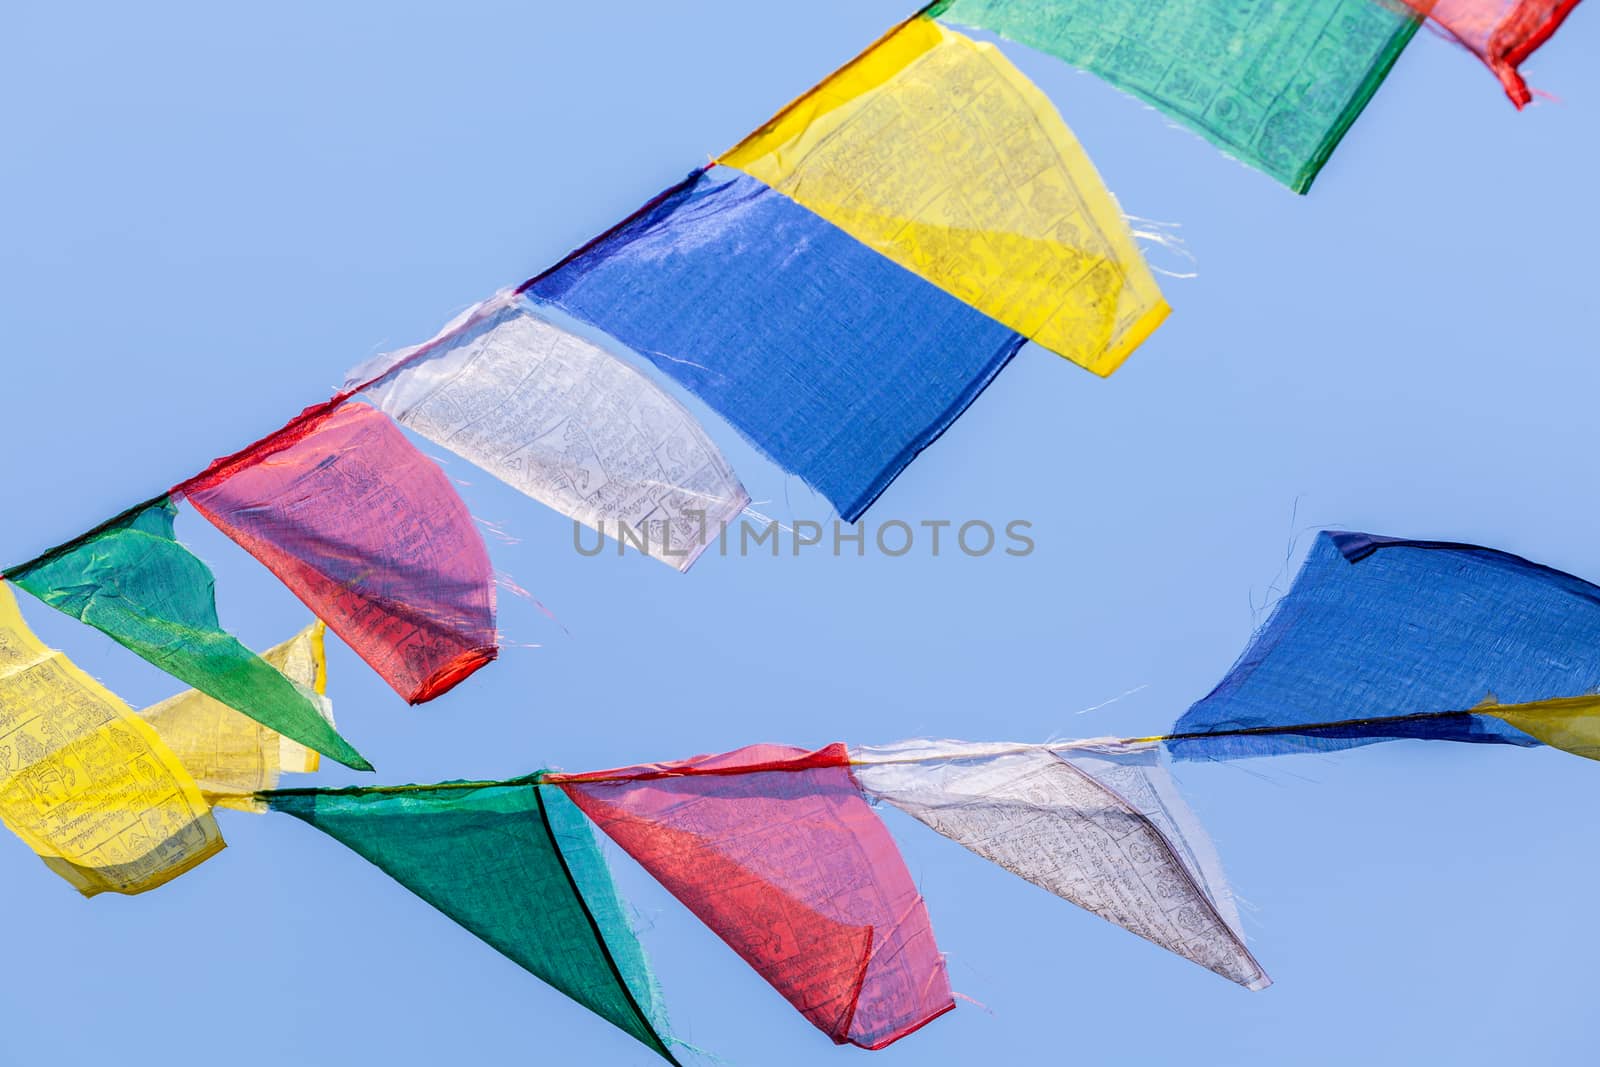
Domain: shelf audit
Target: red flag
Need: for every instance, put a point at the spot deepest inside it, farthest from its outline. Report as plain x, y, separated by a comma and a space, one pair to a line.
776, 850
370, 535
1503, 33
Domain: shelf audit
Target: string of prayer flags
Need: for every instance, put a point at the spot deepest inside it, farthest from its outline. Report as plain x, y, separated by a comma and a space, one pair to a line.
1274, 83
1099, 825
776, 850
1503, 33
1381, 638
837, 363
565, 422
85, 783
230, 756
935, 151
513, 864
133, 581
370, 535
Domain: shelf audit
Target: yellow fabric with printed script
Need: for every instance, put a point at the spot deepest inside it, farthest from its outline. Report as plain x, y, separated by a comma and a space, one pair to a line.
934, 150
85, 782
231, 755
1571, 724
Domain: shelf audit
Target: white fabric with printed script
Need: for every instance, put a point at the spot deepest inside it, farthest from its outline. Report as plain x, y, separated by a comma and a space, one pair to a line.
1097, 824
567, 423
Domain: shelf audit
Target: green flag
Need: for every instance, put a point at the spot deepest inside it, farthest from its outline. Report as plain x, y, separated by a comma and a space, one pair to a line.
1274, 83
131, 580
515, 864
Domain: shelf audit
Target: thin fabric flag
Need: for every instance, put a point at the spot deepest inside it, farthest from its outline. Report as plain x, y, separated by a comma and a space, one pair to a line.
835, 362
935, 151
1099, 825
133, 581
565, 422
776, 850
1502, 33
1274, 83
514, 864
84, 782
370, 535
1383, 639
231, 756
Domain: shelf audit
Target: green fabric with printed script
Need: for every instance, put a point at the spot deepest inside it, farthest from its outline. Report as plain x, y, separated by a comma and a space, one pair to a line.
516, 865
132, 580
1274, 83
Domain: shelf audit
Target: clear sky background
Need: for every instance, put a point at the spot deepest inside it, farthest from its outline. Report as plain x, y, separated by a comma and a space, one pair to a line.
211, 211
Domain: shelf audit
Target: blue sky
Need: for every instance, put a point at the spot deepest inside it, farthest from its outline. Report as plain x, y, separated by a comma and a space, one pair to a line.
212, 211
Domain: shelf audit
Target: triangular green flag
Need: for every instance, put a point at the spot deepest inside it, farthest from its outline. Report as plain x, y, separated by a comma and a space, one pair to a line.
516, 865
132, 580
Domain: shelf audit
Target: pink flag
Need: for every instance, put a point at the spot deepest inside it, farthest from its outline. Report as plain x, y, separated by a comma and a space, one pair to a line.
370, 535
1503, 33
776, 850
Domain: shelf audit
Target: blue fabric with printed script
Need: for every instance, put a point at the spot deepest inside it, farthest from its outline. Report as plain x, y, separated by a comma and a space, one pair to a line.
1377, 627
836, 362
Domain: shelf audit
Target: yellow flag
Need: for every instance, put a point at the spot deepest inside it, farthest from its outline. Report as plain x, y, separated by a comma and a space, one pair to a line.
1568, 723
934, 150
86, 782
231, 755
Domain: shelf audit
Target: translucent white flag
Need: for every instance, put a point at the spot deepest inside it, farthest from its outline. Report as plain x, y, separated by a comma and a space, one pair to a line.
1098, 824
565, 422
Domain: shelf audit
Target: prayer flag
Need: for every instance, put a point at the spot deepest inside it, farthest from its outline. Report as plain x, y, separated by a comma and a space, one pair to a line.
133, 581
1099, 825
1571, 724
513, 864
1381, 638
937, 152
1502, 33
837, 363
1274, 83
565, 422
776, 850
84, 782
230, 755
370, 535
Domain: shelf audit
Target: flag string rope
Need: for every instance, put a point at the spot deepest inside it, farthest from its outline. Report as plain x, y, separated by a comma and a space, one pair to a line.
317, 411
1310, 727
287, 434
1530, 39
562, 778
407, 357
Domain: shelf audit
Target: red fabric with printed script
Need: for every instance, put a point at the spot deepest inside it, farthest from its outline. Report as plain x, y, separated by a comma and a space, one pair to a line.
1502, 32
776, 850
370, 534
